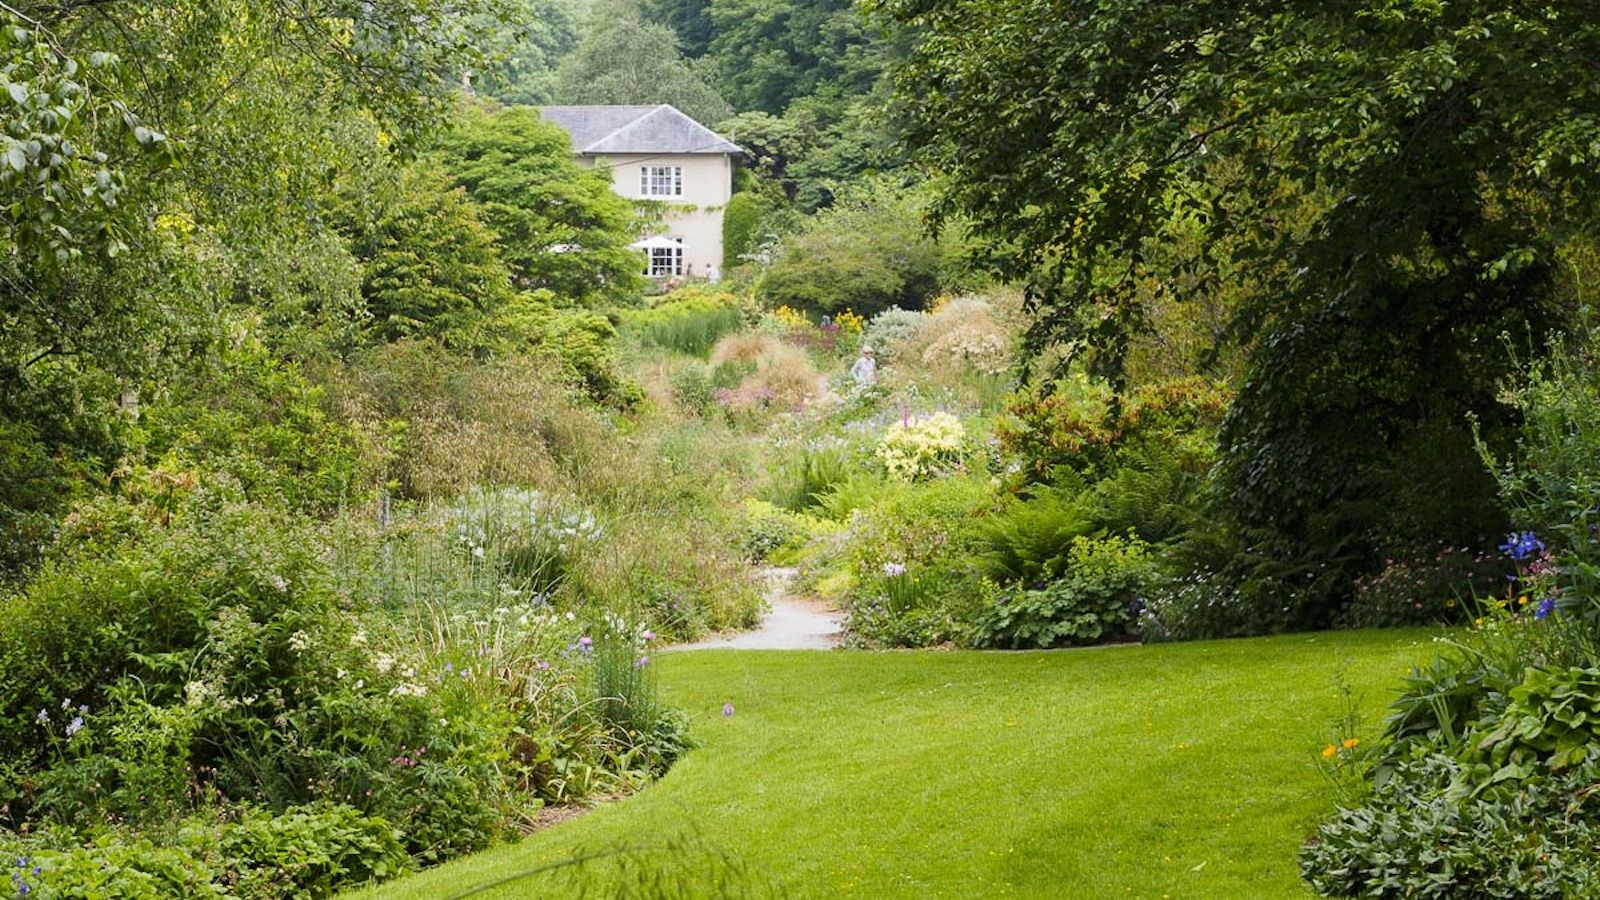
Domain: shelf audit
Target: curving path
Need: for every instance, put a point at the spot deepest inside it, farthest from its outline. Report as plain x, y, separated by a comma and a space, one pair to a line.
791, 623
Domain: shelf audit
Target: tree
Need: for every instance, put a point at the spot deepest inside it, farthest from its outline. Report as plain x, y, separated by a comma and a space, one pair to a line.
691, 19
1401, 178
430, 264
560, 226
867, 253
524, 50
164, 165
627, 62
771, 52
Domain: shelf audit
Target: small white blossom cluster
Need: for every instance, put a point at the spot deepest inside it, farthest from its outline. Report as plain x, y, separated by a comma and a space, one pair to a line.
923, 447
513, 516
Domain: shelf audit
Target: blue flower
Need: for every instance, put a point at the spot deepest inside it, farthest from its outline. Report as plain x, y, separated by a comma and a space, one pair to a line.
1546, 607
1521, 546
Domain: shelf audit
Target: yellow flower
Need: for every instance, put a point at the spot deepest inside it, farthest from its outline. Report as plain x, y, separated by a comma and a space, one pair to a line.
1523, 600
1479, 622
1350, 743
1329, 751
1450, 603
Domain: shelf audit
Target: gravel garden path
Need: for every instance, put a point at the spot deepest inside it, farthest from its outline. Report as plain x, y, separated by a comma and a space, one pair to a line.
791, 623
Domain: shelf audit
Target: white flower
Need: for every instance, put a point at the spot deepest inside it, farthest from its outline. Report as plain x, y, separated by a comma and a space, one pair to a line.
478, 551
384, 663
300, 642
279, 583
407, 689
359, 639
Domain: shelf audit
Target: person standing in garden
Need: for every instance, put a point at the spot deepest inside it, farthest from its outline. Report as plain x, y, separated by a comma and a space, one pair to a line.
865, 371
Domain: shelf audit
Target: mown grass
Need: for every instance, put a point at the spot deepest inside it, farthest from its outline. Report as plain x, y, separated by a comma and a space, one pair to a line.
1183, 770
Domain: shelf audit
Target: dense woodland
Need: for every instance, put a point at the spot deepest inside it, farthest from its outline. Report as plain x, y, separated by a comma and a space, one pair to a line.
350, 472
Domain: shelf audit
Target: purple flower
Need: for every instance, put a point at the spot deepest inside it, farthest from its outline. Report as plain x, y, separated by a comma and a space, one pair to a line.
1546, 607
642, 662
893, 570
649, 635
449, 667
727, 710
75, 726
1520, 546
43, 718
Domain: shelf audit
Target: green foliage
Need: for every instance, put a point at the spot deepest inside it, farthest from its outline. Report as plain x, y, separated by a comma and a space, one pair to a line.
1427, 833
1549, 483
689, 323
1426, 214
311, 850
1091, 598
773, 533
431, 267
265, 424
523, 48
742, 221
803, 477
625, 61
769, 54
561, 227
112, 868
625, 695
867, 253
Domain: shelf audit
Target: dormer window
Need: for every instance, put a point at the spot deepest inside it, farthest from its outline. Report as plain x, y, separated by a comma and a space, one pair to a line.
661, 181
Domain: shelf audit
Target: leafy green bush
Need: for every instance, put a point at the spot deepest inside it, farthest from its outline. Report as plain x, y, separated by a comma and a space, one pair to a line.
770, 531
1094, 598
311, 850
741, 227
803, 476
690, 324
1428, 832
110, 867
891, 328
865, 254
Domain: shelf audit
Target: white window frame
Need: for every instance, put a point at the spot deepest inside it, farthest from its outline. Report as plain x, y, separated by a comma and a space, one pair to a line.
661, 181
664, 262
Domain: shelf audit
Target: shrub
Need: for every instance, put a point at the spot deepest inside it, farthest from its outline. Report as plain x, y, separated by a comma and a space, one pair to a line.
741, 227
1427, 833
1426, 588
866, 253
769, 529
687, 324
803, 476
1094, 598
311, 850
743, 349
783, 379
924, 447
890, 329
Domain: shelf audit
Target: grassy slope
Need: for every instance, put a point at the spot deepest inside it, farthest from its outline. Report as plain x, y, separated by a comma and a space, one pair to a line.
1179, 770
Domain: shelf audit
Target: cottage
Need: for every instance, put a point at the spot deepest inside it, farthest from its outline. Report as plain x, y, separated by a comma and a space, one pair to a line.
658, 153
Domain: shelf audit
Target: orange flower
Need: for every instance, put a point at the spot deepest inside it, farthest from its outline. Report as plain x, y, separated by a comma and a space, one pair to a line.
1350, 743
1329, 751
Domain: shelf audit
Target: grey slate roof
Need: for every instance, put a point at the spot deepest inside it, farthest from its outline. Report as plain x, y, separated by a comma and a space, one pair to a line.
635, 129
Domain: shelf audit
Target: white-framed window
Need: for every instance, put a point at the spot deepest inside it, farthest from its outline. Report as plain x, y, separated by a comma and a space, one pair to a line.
661, 181
665, 261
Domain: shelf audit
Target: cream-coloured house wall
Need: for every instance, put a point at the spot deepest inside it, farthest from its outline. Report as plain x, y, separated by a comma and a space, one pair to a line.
707, 186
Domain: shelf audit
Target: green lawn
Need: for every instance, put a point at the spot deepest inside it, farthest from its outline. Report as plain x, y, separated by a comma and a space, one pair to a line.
1182, 770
